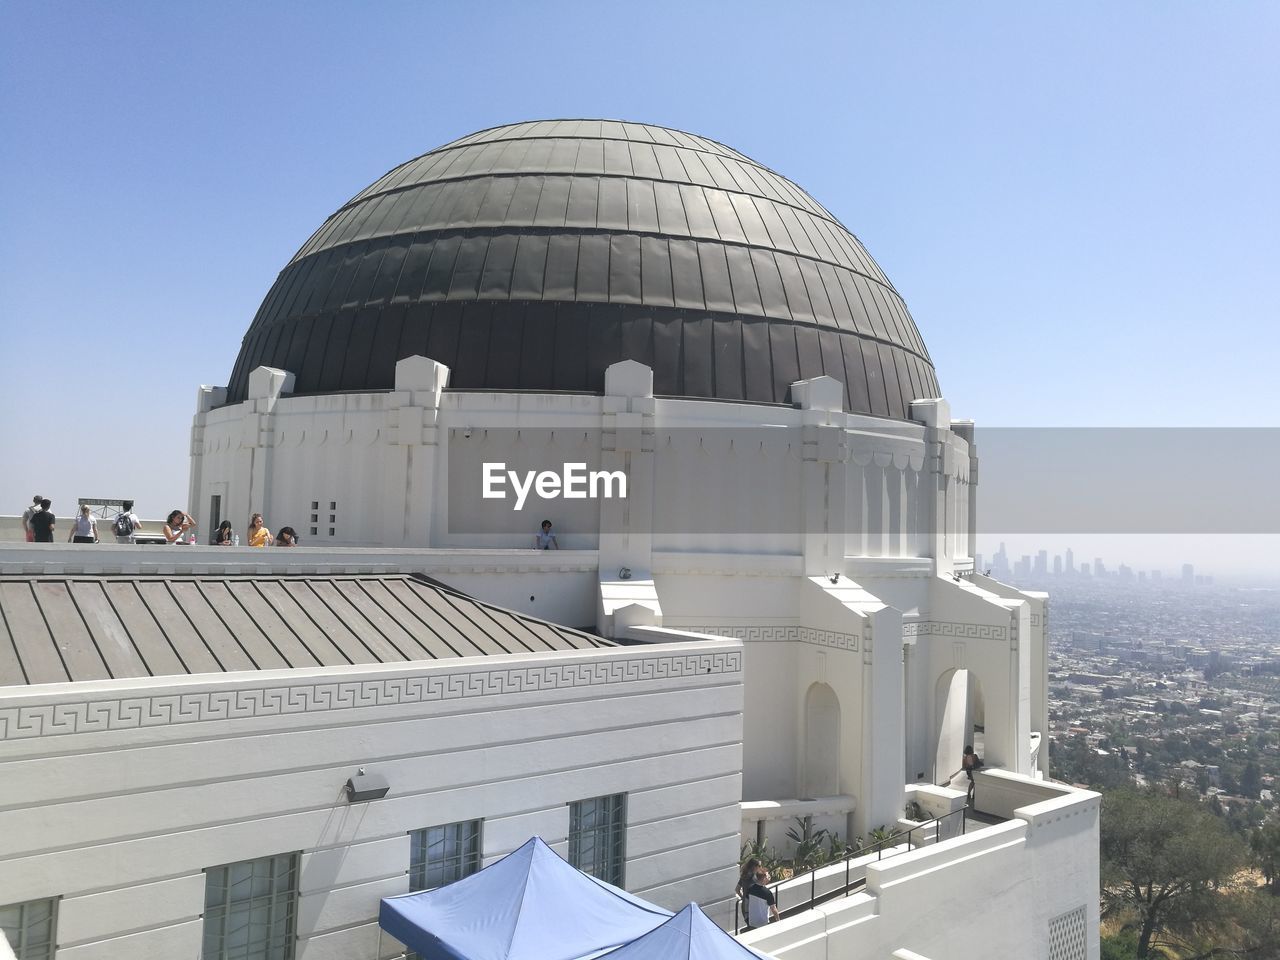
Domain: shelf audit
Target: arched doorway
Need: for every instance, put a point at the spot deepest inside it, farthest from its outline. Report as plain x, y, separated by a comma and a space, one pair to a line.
820, 775
960, 721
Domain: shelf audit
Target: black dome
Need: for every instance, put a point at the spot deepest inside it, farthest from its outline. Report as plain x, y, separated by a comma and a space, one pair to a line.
533, 256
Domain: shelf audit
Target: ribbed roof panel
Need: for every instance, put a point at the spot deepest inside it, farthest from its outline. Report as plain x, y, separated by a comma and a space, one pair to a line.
633, 233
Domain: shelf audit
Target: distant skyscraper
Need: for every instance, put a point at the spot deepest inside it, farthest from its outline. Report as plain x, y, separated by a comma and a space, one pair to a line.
1057, 565
1000, 563
1042, 564
977, 563
1188, 573
1084, 569
1142, 576
1098, 569
1071, 561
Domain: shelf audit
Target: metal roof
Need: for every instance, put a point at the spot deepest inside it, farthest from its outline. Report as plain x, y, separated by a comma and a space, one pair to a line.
60, 628
532, 256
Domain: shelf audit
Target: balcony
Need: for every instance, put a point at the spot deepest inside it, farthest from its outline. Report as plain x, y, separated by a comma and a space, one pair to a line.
1022, 862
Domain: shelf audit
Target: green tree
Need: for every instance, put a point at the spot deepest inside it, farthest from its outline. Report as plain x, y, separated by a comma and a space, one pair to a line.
1164, 859
1251, 780
1121, 946
1255, 915
1265, 844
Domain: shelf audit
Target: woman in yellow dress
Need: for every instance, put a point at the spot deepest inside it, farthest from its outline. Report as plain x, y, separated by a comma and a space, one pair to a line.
259, 535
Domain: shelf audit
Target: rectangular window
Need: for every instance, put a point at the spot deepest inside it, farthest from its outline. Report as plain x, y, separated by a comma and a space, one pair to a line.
598, 837
250, 909
441, 855
29, 928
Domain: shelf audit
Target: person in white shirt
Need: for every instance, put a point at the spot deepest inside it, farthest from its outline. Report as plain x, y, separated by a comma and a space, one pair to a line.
177, 525
27, 514
545, 540
84, 528
130, 520
762, 907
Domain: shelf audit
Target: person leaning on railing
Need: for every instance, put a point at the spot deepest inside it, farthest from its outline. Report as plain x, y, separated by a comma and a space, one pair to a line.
176, 526
746, 877
762, 906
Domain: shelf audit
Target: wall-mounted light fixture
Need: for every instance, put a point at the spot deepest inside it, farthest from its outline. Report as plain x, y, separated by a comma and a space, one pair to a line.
367, 786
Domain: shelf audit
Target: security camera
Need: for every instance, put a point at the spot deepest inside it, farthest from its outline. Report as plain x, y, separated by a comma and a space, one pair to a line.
466, 433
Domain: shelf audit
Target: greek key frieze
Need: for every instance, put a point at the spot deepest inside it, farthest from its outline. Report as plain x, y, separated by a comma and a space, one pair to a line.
949, 628
795, 634
133, 712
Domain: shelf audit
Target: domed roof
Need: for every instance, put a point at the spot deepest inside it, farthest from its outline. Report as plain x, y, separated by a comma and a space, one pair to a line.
532, 256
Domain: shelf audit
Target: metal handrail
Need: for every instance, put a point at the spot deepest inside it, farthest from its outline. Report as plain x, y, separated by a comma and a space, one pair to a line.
851, 885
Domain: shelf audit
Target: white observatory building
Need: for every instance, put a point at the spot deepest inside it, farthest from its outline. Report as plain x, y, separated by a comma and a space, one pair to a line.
772, 577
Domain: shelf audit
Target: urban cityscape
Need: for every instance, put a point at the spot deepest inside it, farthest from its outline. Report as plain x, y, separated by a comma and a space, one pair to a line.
1159, 679
1040, 566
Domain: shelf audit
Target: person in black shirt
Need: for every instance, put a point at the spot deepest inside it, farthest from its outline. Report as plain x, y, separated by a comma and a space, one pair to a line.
746, 878
42, 523
969, 763
762, 909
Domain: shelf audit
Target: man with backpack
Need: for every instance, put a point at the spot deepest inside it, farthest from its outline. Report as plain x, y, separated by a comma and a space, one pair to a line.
126, 523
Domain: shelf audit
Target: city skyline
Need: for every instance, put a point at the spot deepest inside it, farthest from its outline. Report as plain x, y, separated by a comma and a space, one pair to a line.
1042, 564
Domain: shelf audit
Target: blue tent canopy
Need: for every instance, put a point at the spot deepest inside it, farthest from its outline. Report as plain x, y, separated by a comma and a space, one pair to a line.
689, 935
530, 905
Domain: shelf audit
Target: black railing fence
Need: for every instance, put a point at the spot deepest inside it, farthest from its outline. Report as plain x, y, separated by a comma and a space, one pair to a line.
929, 832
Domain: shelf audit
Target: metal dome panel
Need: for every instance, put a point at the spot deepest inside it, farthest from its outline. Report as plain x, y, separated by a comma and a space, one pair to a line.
532, 256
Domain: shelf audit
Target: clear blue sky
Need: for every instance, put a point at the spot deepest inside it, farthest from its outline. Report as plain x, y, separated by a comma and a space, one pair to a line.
1080, 202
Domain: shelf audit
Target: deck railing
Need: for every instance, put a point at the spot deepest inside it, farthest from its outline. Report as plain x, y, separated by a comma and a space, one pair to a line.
929, 832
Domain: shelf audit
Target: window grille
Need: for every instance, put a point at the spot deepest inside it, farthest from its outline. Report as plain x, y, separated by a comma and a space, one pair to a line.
598, 837
1068, 935
29, 928
441, 855
250, 909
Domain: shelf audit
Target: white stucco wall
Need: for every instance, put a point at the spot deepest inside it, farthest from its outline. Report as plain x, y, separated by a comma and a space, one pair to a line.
402, 468
1027, 888
796, 632
123, 792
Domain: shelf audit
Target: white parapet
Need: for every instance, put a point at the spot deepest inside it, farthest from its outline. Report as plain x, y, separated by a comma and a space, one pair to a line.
1024, 883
